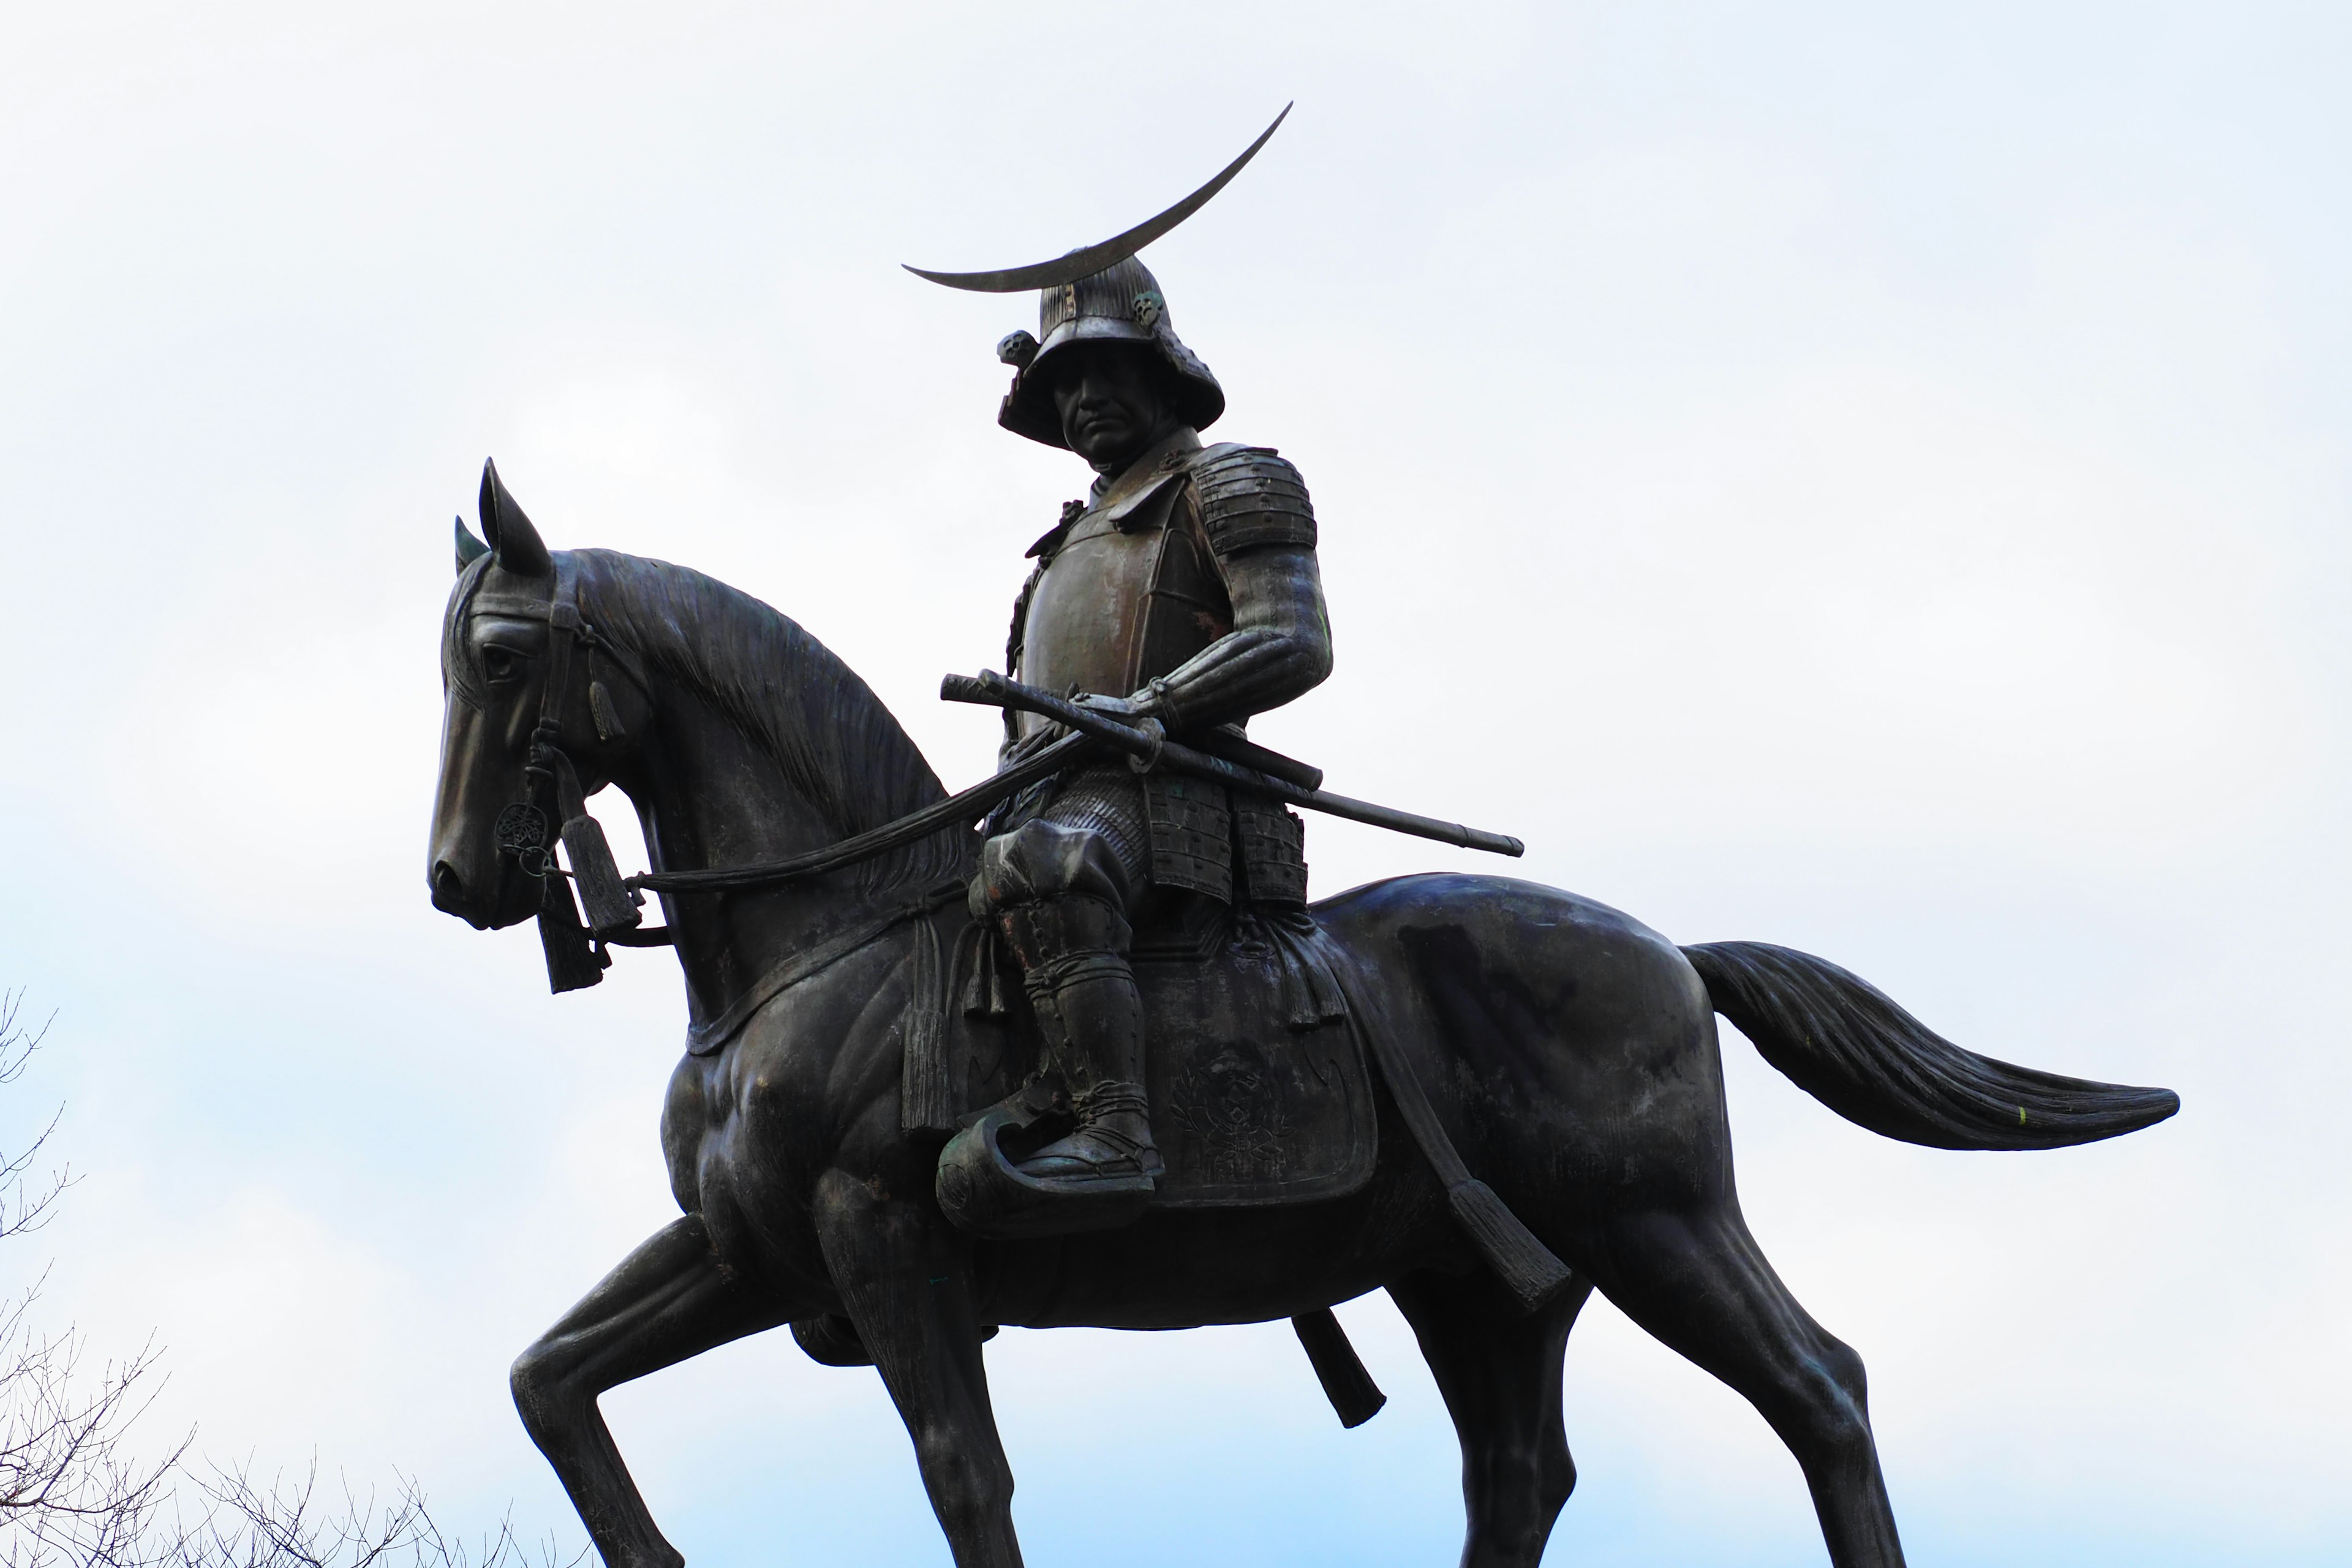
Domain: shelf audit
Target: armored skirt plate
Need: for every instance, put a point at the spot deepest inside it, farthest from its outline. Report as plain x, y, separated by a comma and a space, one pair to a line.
1255, 1098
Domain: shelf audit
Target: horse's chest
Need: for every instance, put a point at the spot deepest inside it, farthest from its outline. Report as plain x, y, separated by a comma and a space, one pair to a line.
761, 1113
755, 1126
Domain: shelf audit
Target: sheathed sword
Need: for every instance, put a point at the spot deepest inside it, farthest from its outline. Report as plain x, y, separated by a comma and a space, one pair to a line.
1151, 750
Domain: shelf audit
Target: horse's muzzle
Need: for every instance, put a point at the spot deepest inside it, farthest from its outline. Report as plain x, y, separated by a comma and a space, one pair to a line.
449, 895
494, 908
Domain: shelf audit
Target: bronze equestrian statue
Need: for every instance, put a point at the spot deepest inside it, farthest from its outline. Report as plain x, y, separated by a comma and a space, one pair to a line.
1100, 1063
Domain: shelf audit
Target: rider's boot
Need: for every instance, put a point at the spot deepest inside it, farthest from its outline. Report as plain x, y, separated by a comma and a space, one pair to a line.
1091, 1003
1077, 975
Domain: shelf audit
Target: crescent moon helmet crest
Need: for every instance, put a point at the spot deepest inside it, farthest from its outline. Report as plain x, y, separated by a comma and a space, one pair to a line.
1094, 258
1102, 292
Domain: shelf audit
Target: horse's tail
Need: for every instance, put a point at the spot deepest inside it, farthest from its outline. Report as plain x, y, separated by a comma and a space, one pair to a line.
1846, 1044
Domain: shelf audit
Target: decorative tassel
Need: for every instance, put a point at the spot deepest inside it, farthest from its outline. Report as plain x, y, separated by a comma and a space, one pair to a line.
924, 1104
926, 1096
1526, 1266
611, 906
1355, 1398
600, 709
572, 961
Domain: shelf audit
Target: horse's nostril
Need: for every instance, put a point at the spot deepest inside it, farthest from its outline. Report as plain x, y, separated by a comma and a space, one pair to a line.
447, 887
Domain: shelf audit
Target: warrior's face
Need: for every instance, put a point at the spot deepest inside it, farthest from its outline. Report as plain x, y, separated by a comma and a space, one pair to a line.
1113, 400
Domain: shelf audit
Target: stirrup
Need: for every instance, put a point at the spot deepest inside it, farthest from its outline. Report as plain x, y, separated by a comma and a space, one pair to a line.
983, 1193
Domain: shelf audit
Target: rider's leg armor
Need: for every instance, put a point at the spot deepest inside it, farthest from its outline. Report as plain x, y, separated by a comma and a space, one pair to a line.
1059, 894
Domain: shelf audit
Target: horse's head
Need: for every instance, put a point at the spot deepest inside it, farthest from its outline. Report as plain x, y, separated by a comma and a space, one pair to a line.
498, 652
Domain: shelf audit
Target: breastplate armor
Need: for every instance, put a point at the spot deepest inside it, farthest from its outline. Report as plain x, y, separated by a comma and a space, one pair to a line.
1129, 592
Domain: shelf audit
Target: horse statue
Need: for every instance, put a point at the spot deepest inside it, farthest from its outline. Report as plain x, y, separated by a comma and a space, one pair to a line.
1562, 1052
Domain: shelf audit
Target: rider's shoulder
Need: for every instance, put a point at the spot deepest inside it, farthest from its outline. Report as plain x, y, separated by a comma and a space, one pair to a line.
1251, 496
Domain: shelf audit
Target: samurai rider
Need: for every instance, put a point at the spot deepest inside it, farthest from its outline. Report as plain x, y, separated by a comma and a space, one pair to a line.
1182, 590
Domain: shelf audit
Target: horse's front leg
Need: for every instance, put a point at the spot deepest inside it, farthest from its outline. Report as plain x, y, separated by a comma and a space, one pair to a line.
905, 1277
668, 1301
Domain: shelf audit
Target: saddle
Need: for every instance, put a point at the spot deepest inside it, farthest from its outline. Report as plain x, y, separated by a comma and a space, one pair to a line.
1254, 1068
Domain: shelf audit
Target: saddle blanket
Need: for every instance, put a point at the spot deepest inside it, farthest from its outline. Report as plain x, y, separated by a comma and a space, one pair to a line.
1255, 1067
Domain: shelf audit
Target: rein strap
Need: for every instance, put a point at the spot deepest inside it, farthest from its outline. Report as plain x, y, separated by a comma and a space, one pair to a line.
962, 807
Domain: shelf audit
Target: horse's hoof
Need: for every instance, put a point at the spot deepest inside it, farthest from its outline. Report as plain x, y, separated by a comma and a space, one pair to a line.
983, 1193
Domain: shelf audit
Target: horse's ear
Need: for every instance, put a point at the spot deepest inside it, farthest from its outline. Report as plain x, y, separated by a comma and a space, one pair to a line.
469, 549
514, 544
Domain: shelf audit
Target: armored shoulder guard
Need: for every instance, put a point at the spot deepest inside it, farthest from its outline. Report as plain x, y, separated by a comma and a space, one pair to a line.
1249, 497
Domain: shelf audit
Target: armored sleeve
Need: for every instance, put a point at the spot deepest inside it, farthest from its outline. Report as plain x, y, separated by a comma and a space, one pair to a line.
1249, 497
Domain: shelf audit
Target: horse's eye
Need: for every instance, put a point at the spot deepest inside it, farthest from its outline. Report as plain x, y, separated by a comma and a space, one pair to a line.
497, 663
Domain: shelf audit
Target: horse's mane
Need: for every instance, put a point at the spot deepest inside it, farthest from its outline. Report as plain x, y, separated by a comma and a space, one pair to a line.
836, 743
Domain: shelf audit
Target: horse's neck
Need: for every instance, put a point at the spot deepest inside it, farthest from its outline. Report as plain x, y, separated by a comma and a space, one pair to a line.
707, 795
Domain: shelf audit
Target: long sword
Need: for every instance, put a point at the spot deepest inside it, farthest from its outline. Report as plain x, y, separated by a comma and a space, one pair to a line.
990, 690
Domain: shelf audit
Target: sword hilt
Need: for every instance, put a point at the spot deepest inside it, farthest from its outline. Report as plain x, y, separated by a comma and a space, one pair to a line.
990, 690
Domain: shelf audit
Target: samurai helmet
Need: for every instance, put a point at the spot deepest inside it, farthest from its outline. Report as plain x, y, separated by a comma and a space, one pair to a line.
1122, 303
1100, 293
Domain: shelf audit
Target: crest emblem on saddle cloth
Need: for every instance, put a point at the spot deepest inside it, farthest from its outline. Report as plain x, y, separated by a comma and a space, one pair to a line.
1234, 1106
1256, 1073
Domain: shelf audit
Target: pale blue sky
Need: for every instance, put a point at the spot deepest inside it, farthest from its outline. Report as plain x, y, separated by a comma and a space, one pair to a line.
1873, 481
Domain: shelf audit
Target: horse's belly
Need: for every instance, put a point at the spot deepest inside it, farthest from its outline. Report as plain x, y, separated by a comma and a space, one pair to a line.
1189, 1268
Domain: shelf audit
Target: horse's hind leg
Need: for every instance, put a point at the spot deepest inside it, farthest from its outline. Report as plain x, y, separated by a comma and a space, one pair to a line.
1498, 1368
1697, 1281
666, 1302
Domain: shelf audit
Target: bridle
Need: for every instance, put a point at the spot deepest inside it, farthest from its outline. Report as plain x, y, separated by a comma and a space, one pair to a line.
575, 955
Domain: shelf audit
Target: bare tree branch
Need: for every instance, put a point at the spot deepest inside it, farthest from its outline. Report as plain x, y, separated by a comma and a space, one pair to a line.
282, 1525
75, 1493
22, 1210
